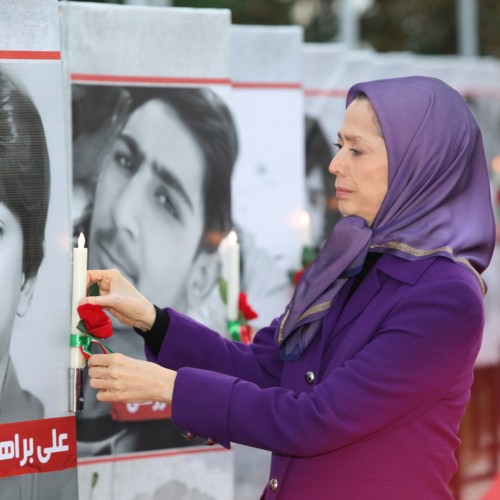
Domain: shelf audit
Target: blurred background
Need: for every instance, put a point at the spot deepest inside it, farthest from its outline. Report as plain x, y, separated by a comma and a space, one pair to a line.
421, 26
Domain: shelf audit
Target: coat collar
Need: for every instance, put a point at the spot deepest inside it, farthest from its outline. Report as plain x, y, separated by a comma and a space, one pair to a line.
405, 271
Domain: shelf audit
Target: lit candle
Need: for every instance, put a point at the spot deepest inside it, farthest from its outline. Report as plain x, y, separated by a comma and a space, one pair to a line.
77, 360
79, 292
233, 276
305, 229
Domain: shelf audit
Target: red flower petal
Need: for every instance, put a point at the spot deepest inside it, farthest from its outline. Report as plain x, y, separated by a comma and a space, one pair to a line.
297, 276
246, 334
244, 307
96, 320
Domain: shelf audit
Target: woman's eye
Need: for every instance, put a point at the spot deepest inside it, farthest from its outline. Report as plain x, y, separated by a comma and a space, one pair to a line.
354, 151
166, 202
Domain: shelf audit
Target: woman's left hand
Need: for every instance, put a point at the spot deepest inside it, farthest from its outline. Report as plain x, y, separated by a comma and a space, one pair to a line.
119, 378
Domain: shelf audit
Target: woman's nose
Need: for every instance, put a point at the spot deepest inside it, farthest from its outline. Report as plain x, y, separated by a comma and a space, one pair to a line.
335, 166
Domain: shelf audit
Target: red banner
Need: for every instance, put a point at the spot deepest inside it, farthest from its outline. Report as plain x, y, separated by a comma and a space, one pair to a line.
37, 446
123, 412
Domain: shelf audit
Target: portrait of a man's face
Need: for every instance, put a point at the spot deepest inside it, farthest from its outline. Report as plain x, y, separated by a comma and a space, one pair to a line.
24, 196
148, 210
11, 270
321, 203
30, 120
158, 188
152, 194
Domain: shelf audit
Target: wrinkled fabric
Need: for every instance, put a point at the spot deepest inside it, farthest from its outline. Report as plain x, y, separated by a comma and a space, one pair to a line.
379, 419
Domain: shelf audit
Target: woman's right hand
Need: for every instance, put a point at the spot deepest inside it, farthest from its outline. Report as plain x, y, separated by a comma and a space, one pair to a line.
121, 299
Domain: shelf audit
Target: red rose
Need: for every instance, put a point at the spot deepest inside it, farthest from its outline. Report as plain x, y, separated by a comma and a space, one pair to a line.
298, 275
244, 307
96, 320
246, 333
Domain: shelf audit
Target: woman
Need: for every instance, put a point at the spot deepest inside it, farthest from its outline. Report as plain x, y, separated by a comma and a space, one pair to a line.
358, 389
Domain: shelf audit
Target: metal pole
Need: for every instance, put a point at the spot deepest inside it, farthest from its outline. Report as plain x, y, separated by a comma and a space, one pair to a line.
349, 27
467, 20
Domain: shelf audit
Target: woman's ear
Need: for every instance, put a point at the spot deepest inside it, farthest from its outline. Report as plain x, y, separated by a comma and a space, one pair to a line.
27, 289
204, 275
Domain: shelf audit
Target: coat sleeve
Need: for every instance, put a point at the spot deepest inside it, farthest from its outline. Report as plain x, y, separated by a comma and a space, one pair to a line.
429, 338
188, 343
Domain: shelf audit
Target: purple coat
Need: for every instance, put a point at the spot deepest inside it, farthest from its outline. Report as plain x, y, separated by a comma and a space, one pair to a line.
372, 408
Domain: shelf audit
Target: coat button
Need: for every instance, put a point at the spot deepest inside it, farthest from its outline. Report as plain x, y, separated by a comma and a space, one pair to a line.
189, 436
310, 377
273, 484
209, 441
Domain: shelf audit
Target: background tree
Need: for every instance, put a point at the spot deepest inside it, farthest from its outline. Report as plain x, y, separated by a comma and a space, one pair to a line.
419, 26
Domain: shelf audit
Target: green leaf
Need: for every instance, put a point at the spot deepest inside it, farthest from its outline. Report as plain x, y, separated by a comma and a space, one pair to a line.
81, 326
93, 290
308, 255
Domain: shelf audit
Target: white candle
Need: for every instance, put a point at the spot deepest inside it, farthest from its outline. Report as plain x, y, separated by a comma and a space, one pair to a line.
233, 276
305, 229
79, 291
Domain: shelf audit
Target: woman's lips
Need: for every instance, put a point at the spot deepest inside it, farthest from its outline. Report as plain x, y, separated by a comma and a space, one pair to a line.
341, 192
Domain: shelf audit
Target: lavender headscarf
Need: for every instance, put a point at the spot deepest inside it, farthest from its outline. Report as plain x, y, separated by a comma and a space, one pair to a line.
438, 201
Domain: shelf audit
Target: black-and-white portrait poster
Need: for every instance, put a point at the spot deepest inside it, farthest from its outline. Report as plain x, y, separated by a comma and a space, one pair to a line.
37, 434
268, 186
477, 80
480, 87
268, 182
153, 148
323, 112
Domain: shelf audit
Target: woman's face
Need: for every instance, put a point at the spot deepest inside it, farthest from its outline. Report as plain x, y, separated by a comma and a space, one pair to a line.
12, 300
361, 164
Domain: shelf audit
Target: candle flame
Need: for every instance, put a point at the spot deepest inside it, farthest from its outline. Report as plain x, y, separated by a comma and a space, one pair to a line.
81, 241
232, 238
495, 164
304, 218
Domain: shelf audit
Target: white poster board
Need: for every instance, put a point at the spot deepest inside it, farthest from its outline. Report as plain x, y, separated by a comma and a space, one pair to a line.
149, 91
268, 186
34, 259
268, 182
